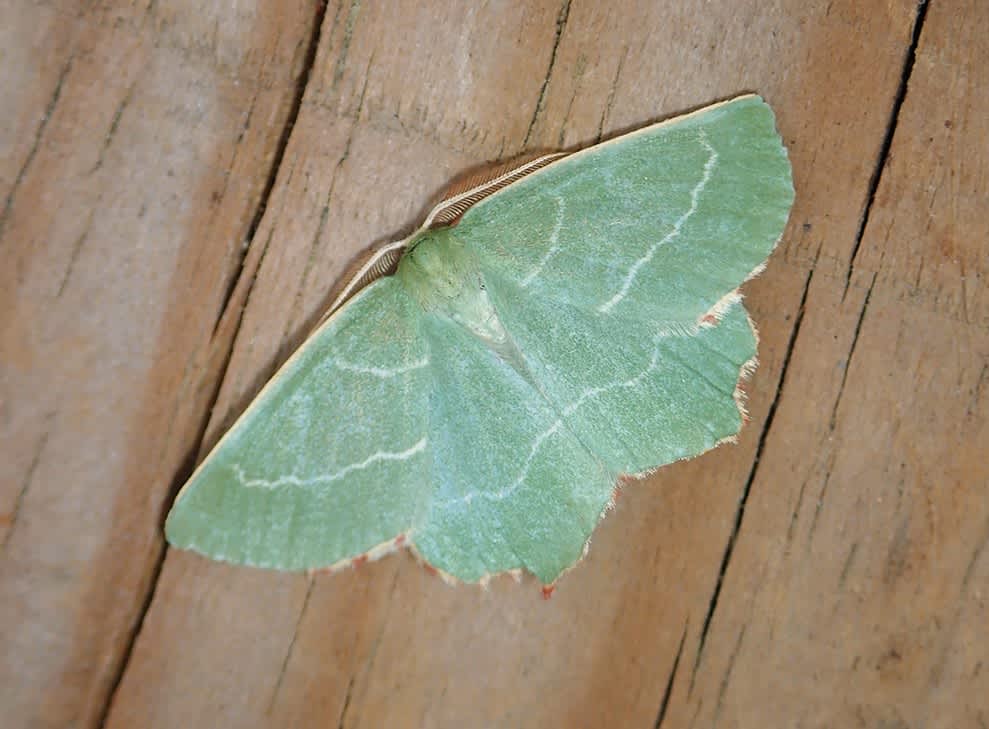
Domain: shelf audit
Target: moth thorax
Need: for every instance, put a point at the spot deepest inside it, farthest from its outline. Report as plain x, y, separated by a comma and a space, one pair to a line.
446, 280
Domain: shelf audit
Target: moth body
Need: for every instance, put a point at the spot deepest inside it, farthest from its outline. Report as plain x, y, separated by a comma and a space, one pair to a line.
446, 280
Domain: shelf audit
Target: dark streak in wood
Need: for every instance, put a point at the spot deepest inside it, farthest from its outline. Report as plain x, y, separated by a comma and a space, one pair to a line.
38, 134
792, 527
897, 553
910, 57
158, 562
740, 511
723, 688
980, 382
819, 506
324, 216
26, 483
291, 645
566, 119
218, 197
372, 653
847, 567
561, 25
947, 638
114, 125
279, 155
668, 691
346, 703
851, 353
348, 35
73, 257
973, 561
606, 112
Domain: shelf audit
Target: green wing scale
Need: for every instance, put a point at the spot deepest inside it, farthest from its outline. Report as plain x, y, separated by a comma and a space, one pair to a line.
573, 326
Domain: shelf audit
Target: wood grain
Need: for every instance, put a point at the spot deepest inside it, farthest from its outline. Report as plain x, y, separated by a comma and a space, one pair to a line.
856, 595
829, 570
140, 142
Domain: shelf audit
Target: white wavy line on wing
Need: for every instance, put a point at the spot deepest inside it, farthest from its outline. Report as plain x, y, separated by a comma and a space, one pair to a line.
383, 372
677, 228
554, 238
293, 480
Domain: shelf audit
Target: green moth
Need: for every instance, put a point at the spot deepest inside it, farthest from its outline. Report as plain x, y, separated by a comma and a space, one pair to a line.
477, 389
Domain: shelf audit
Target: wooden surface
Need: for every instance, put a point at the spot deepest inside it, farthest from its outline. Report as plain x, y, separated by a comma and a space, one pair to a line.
180, 184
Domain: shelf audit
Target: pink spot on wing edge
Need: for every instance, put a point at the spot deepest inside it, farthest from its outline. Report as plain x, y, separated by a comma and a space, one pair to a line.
548, 591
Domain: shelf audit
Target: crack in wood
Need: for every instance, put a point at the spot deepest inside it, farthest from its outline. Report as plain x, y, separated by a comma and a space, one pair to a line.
561, 25
746, 489
217, 200
833, 422
373, 652
346, 703
882, 158
851, 353
723, 688
819, 506
668, 691
276, 163
291, 645
159, 561
606, 112
323, 218
792, 526
910, 58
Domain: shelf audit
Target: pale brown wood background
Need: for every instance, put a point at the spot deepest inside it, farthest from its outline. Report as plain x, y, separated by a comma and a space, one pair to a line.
182, 181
